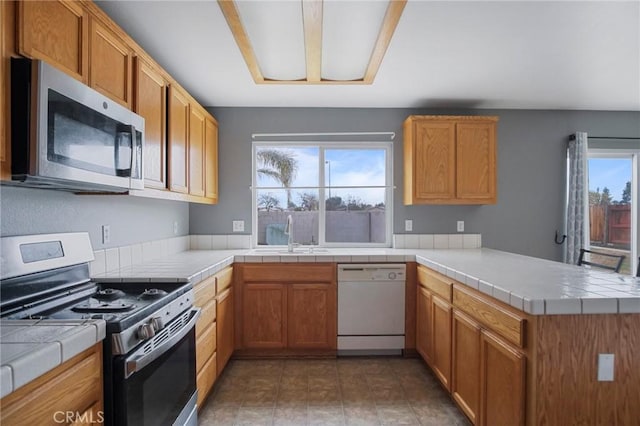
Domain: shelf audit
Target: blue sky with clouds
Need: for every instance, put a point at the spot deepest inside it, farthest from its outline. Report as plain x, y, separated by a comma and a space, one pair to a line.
612, 173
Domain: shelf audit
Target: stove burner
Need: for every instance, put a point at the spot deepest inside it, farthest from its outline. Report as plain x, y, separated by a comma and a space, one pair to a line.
92, 306
108, 294
152, 293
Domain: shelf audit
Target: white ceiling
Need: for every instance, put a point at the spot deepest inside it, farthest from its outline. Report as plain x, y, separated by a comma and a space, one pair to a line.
476, 54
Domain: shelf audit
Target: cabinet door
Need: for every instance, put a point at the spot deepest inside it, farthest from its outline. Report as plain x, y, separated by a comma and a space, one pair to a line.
441, 330
196, 151
178, 140
435, 156
110, 72
264, 315
205, 378
225, 324
312, 316
211, 159
151, 103
476, 161
502, 378
465, 368
424, 325
57, 32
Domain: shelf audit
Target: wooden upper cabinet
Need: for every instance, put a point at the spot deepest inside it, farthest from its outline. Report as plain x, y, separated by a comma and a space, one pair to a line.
450, 160
178, 140
110, 72
211, 159
435, 153
150, 101
476, 161
6, 32
196, 150
57, 32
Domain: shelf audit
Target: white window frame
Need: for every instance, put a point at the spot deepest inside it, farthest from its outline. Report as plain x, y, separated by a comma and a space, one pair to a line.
323, 145
635, 202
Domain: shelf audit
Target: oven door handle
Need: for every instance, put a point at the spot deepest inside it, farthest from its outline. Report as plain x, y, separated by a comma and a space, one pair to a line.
142, 357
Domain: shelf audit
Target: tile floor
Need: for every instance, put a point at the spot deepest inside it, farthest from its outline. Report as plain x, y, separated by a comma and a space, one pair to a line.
343, 391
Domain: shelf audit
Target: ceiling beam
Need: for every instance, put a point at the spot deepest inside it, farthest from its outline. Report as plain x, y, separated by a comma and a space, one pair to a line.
230, 12
312, 21
391, 18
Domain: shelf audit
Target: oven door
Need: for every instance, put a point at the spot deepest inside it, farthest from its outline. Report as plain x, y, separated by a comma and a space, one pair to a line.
156, 384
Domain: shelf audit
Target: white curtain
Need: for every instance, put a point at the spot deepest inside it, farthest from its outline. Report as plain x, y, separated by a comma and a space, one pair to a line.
577, 197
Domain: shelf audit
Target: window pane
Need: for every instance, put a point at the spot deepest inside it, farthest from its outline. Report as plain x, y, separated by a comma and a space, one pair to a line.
355, 167
610, 208
355, 216
272, 217
287, 166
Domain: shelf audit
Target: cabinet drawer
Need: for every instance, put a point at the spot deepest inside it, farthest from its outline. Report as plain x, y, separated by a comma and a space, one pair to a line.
505, 323
298, 273
205, 379
205, 345
204, 291
435, 282
207, 317
224, 279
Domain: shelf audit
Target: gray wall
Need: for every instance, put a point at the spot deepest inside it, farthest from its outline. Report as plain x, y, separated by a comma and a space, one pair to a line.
531, 169
131, 219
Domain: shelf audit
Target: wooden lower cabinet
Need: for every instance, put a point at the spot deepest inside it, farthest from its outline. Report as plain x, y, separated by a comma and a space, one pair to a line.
264, 315
205, 378
225, 338
502, 380
288, 309
441, 331
74, 387
423, 332
311, 315
465, 374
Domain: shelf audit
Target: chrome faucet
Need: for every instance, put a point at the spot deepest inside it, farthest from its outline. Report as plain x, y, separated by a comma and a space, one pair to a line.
288, 230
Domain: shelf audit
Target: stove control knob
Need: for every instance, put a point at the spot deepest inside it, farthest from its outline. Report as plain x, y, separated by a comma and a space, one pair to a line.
146, 331
157, 323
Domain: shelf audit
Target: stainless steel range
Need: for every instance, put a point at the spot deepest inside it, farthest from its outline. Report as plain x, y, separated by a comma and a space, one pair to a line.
149, 351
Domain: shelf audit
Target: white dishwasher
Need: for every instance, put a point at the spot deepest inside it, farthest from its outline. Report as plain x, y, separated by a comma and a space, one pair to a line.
371, 302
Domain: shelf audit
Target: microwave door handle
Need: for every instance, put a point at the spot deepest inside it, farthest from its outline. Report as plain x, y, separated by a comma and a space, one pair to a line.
132, 129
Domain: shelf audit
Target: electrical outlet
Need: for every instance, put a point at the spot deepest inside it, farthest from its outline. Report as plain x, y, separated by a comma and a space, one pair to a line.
106, 234
238, 226
605, 367
408, 225
460, 226
175, 227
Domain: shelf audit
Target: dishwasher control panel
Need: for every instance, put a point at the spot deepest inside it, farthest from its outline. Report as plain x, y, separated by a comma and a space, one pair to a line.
371, 272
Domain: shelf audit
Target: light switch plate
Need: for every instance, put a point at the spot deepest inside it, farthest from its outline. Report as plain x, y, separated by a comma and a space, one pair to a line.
408, 225
238, 226
175, 227
460, 226
605, 367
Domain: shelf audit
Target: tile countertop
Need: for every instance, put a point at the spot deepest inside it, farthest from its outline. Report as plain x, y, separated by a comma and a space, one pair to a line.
536, 286
30, 348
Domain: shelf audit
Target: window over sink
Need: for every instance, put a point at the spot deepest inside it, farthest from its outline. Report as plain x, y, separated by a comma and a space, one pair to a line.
338, 194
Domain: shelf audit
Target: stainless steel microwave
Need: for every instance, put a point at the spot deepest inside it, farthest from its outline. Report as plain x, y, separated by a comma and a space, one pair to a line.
67, 136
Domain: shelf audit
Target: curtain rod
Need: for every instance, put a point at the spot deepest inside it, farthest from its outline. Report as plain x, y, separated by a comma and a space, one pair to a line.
573, 137
392, 135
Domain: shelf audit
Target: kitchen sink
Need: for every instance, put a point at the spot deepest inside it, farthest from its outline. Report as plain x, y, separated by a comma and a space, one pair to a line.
296, 251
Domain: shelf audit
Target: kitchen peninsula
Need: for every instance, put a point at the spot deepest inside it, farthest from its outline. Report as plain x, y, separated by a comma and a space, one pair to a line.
567, 316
